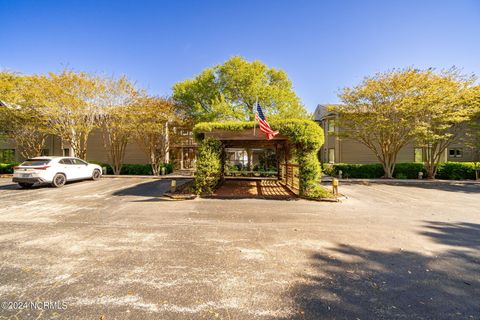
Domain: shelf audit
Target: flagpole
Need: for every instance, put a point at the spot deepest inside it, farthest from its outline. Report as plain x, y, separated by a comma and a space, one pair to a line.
255, 120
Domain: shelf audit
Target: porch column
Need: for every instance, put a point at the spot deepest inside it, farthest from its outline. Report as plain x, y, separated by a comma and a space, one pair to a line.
181, 158
249, 159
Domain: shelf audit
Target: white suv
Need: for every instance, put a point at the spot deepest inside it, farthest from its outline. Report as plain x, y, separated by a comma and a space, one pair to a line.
54, 170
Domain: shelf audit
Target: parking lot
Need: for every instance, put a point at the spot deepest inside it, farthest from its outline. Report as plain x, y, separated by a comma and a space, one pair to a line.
116, 249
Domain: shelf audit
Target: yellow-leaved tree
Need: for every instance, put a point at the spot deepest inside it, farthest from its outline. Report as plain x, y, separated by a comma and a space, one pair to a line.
71, 102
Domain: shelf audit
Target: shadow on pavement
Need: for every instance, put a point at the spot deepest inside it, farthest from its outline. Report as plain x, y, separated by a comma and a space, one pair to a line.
462, 235
349, 282
12, 186
152, 189
453, 187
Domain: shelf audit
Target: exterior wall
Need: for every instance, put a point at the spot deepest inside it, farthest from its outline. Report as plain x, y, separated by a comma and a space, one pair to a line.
351, 151
133, 154
53, 147
96, 151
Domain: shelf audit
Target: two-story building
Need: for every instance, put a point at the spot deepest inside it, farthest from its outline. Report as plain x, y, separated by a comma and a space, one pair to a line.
346, 150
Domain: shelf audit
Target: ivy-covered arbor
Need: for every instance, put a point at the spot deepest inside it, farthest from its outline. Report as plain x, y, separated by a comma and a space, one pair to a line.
296, 145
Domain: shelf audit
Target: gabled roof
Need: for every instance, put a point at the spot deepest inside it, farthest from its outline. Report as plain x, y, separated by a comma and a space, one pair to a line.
321, 112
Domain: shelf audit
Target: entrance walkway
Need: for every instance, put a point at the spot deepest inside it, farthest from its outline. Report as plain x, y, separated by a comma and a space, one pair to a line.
265, 189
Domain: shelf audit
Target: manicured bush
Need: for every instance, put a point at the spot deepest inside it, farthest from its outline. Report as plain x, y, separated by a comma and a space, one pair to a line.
447, 170
135, 169
360, 171
209, 166
7, 168
456, 170
409, 170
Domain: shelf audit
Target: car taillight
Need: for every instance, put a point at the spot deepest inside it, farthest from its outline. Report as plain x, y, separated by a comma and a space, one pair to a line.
16, 168
42, 168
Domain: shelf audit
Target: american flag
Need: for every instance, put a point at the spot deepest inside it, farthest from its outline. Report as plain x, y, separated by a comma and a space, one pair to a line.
263, 124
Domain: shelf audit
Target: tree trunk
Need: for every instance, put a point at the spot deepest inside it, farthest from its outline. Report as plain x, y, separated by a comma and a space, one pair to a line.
388, 169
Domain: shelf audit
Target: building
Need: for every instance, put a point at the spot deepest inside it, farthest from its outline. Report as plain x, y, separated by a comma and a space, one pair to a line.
344, 150
182, 151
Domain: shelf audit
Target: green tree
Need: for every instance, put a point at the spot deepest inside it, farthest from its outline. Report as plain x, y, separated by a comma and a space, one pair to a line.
116, 119
382, 112
71, 102
472, 136
20, 119
151, 119
448, 105
229, 92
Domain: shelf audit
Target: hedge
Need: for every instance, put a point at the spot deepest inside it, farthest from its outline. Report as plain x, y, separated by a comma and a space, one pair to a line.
7, 168
446, 170
135, 169
456, 170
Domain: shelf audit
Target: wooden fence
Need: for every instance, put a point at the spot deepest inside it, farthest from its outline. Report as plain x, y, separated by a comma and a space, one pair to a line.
290, 176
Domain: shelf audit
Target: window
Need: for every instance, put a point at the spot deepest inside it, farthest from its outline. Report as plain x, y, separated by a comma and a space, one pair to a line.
331, 155
7, 155
66, 152
45, 153
79, 162
35, 162
455, 153
65, 161
418, 156
331, 126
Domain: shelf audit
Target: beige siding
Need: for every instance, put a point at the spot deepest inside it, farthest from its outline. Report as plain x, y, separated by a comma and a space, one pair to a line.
97, 152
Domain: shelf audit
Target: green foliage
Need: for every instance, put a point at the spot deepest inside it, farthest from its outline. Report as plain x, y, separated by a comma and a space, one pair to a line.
136, 169
7, 168
456, 170
229, 92
319, 192
302, 133
409, 170
310, 172
360, 171
447, 170
305, 135
209, 166
388, 110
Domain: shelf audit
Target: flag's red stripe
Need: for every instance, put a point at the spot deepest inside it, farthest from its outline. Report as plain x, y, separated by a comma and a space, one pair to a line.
265, 127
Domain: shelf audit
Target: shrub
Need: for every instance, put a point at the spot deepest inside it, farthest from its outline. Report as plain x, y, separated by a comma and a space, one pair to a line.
456, 170
319, 192
7, 168
447, 170
361, 171
409, 170
209, 166
135, 169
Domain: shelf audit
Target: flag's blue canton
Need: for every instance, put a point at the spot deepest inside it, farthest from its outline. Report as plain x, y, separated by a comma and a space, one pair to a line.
260, 112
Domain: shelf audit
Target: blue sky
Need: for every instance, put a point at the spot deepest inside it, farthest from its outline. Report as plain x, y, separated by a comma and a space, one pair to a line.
322, 45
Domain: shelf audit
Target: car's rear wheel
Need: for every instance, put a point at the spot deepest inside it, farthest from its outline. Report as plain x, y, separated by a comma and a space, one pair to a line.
25, 185
96, 174
59, 180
